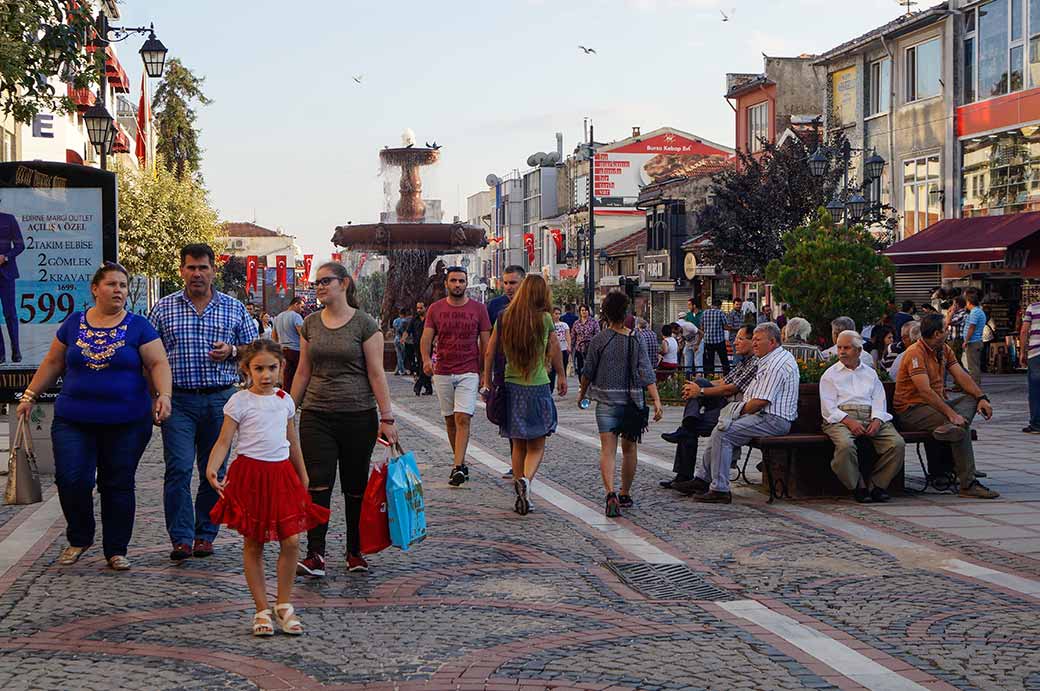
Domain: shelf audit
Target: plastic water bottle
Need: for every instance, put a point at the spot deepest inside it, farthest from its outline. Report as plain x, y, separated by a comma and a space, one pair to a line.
584, 404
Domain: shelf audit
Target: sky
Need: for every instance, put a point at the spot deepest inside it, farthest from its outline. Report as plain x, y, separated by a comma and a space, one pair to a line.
291, 142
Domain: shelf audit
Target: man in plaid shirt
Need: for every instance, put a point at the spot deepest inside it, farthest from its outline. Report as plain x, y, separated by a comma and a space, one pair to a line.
202, 330
713, 326
704, 400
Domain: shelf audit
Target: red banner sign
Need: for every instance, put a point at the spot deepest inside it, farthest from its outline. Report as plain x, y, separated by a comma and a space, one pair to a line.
337, 257
308, 260
225, 258
252, 263
529, 246
281, 273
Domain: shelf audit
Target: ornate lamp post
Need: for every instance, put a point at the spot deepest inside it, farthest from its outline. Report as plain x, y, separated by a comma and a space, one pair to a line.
855, 206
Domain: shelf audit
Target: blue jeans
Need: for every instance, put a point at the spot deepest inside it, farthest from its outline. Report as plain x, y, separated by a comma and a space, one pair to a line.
112, 452
188, 437
715, 464
399, 349
1034, 391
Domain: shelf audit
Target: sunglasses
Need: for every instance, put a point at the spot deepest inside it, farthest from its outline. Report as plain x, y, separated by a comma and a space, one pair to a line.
326, 281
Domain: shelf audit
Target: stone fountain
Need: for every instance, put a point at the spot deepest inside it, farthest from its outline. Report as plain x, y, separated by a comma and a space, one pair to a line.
411, 244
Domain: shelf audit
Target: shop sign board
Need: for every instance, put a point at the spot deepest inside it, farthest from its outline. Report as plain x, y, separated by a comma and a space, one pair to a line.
620, 172
57, 225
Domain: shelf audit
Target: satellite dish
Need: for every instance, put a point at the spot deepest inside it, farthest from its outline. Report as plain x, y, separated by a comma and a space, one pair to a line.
552, 159
492, 180
536, 159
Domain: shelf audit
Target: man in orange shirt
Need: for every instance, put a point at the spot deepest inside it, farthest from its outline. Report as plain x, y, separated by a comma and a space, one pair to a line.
921, 406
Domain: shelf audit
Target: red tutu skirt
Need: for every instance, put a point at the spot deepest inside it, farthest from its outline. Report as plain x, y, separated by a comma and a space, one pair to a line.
266, 502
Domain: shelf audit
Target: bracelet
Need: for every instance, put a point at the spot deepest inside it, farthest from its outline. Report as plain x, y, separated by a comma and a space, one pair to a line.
29, 394
387, 421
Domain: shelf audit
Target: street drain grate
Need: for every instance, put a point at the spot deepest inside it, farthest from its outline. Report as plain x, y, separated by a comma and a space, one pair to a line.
668, 581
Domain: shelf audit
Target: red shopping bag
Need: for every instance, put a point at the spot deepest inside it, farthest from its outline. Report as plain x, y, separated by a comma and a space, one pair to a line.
375, 526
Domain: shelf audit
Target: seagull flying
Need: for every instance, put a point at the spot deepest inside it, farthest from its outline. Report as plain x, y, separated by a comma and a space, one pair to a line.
588, 51
726, 17
358, 78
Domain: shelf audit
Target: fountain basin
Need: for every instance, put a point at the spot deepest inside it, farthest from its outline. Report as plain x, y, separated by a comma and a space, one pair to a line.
403, 156
383, 237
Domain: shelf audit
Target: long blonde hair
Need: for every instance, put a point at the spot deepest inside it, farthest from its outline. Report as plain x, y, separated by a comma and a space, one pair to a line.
521, 327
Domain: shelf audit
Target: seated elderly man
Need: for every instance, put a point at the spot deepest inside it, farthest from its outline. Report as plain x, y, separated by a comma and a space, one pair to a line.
920, 403
767, 408
845, 324
910, 334
796, 340
853, 406
704, 400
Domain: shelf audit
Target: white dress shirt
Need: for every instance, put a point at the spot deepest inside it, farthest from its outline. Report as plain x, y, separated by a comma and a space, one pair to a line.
840, 386
776, 381
864, 357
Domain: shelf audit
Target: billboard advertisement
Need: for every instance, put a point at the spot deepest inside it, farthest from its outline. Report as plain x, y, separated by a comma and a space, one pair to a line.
621, 171
57, 225
843, 86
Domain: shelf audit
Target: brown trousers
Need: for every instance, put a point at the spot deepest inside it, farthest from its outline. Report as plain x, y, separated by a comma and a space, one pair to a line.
888, 446
926, 418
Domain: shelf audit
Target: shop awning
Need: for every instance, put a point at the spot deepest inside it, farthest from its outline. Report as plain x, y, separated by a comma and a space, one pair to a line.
965, 240
83, 98
122, 143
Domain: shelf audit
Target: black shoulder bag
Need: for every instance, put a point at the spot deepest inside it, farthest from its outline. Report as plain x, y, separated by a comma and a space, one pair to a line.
496, 400
636, 418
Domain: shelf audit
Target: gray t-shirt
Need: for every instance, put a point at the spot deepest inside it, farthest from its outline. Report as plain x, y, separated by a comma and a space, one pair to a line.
339, 375
285, 325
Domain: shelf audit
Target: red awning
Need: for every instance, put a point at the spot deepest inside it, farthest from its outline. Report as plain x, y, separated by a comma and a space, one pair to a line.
122, 142
965, 240
83, 98
73, 157
116, 74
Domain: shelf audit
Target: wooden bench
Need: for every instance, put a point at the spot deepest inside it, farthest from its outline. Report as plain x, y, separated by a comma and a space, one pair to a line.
814, 448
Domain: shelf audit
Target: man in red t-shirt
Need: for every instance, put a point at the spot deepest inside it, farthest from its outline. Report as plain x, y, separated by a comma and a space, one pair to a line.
461, 328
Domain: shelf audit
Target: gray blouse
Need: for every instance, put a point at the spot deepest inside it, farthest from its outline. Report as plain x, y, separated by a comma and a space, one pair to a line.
612, 360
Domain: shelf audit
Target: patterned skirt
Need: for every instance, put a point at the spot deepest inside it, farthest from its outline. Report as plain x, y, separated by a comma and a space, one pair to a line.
530, 412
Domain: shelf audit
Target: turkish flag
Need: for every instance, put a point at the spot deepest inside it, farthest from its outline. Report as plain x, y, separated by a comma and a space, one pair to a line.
281, 277
529, 246
308, 259
557, 236
251, 265
144, 123
225, 258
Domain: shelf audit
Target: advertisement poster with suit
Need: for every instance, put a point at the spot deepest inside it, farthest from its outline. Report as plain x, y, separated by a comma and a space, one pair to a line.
50, 245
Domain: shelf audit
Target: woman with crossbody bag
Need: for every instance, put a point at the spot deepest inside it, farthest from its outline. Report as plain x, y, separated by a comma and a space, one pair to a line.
617, 370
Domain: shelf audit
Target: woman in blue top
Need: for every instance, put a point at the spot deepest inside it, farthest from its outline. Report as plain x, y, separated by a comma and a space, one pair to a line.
104, 414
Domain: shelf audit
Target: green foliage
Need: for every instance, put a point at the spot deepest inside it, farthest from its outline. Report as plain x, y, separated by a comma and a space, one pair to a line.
670, 390
370, 291
829, 271
232, 277
811, 371
40, 39
566, 291
178, 136
159, 214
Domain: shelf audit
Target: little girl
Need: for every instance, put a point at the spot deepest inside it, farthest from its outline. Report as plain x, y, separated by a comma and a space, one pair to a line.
264, 495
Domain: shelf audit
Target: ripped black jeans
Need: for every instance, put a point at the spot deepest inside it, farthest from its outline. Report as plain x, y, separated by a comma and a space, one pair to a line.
342, 441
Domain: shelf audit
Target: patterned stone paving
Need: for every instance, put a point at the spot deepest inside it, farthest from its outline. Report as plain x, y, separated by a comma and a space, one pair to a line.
495, 601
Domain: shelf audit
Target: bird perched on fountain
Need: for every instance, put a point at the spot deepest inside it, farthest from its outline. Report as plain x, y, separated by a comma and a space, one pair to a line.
435, 146
588, 51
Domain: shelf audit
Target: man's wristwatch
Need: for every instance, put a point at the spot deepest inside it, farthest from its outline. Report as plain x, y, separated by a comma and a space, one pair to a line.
234, 350
983, 397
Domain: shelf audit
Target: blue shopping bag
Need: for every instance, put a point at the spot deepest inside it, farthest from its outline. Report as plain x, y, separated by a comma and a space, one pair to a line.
404, 499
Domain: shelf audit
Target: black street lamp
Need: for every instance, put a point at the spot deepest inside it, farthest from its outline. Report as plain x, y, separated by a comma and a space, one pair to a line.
855, 207
100, 127
153, 55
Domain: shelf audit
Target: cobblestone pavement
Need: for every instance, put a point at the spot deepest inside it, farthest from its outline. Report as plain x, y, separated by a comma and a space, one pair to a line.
674, 595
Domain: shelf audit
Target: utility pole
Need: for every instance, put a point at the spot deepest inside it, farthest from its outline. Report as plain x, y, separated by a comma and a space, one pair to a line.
590, 273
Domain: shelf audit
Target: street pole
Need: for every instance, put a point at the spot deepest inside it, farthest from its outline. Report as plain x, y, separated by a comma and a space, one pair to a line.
590, 273
103, 86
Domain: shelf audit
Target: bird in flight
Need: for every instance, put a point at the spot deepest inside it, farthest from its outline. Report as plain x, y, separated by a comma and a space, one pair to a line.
588, 51
726, 17
358, 78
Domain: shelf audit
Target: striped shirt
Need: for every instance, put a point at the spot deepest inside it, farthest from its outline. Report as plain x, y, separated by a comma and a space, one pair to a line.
777, 382
189, 336
802, 350
734, 320
713, 322
1031, 318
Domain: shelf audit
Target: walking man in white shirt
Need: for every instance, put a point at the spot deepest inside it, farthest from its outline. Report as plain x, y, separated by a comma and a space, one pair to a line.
767, 408
853, 406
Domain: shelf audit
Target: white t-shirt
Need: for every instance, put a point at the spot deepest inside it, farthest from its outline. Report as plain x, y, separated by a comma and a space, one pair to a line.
562, 330
261, 423
689, 330
672, 356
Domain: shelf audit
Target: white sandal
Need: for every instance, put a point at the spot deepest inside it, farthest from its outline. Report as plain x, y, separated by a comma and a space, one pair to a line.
262, 625
285, 615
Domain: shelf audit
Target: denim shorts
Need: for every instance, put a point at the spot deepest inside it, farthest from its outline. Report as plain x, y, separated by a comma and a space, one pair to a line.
609, 417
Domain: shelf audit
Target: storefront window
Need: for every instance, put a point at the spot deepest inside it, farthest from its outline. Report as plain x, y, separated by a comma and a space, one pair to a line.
922, 180
1001, 173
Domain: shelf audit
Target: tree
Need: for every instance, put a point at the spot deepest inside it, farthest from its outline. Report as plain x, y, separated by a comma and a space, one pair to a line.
232, 277
40, 39
159, 214
829, 271
178, 136
566, 291
370, 291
